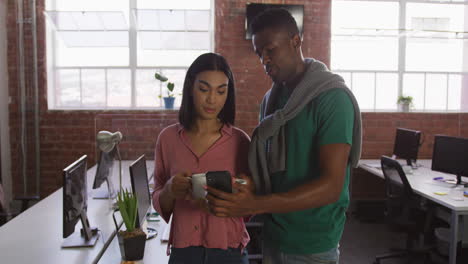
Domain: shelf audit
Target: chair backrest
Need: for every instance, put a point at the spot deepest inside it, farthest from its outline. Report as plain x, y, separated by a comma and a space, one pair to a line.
398, 189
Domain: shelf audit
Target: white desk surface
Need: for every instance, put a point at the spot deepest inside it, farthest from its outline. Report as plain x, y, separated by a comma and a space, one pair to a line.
421, 180
36, 235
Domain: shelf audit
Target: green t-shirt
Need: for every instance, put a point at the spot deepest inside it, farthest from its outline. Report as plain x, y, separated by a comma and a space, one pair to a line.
328, 119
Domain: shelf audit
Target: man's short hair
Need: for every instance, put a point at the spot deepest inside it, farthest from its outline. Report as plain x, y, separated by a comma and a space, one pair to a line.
275, 18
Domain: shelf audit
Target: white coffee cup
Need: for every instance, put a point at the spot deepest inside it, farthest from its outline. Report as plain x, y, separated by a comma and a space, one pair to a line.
198, 181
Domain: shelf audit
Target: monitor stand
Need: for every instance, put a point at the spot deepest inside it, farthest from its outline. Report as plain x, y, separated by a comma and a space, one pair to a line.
459, 180
102, 193
86, 238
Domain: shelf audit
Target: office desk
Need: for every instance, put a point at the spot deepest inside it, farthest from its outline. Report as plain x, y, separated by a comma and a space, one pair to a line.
35, 236
422, 182
155, 250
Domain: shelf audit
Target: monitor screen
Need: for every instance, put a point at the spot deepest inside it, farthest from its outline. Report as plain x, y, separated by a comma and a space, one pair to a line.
252, 10
450, 155
407, 144
74, 194
104, 166
140, 187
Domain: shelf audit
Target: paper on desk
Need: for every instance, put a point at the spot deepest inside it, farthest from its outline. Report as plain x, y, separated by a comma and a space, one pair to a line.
167, 231
372, 165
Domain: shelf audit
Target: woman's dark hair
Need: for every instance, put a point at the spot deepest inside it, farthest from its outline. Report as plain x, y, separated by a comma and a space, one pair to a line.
276, 18
207, 62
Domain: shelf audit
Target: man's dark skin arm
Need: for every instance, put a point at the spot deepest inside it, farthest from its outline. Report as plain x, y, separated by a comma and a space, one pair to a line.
333, 159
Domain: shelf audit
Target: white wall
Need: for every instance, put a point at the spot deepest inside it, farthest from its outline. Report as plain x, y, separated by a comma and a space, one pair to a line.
4, 101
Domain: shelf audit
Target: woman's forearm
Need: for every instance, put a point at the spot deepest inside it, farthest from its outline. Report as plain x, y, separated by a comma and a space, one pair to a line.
166, 200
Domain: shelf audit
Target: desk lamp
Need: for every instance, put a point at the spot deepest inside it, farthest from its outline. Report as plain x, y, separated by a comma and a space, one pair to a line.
106, 141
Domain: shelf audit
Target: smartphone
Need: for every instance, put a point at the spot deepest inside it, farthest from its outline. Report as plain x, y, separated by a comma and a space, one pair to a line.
220, 180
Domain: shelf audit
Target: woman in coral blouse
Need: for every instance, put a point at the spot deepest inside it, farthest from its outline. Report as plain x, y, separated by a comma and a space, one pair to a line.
203, 140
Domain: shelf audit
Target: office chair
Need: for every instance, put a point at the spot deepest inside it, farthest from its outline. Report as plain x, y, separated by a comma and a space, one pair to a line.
401, 203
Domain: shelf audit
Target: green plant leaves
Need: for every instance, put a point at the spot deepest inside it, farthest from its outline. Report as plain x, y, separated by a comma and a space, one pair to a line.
128, 206
160, 77
170, 86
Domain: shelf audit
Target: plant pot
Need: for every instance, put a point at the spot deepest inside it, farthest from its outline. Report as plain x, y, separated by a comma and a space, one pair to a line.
132, 244
169, 102
403, 107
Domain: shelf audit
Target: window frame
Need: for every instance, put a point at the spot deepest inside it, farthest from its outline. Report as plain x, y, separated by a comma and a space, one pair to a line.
52, 68
401, 70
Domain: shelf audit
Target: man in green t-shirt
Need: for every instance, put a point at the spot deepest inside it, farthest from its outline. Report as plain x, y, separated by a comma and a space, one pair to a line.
301, 153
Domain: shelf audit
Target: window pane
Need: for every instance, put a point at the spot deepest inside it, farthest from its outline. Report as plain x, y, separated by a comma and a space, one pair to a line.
197, 40
434, 55
356, 44
67, 83
365, 53
119, 87
363, 89
436, 91
147, 89
172, 20
198, 20
355, 14
454, 93
413, 85
168, 57
387, 91
174, 4
428, 49
94, 87
111, 56
147, 19
87, 39
172, 40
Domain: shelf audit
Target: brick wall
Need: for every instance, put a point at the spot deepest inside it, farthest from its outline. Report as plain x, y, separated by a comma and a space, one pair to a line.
66, 135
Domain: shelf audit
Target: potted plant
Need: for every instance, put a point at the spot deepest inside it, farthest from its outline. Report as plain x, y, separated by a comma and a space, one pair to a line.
404, 103
169, 99
131, 241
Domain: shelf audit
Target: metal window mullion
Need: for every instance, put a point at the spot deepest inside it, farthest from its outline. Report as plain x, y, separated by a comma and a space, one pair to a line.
132, 46
160, 90
106, 92
401, 45
447, 93
211, 27
185, 30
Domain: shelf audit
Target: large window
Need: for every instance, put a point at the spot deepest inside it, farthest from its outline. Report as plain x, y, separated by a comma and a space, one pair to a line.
103, 54
416, 48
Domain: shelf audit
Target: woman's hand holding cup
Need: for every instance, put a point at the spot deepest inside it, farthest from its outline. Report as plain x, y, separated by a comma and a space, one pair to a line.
180, 185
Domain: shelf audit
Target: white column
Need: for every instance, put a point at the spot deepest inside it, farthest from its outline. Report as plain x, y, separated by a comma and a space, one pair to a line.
4, 103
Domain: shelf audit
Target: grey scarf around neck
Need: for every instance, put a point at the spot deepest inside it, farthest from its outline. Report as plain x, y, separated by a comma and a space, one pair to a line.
267, 152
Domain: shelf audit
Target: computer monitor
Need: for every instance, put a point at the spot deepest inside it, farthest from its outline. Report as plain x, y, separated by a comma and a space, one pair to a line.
104, 174
75, 203
140, 187
450, 155
252, 10
407, 144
